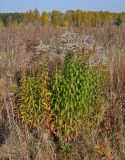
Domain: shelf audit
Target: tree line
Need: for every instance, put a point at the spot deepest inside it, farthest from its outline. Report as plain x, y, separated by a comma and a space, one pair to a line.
69, 18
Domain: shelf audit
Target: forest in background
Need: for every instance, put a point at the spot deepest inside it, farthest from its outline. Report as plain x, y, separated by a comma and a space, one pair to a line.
69, 18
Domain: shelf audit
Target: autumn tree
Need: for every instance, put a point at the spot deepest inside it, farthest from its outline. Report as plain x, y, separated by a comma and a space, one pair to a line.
32, 16
45, 18
56, 18
1, 24
78, 17
118, 21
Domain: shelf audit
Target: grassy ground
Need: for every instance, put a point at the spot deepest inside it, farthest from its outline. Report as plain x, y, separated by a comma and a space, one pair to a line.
65, 98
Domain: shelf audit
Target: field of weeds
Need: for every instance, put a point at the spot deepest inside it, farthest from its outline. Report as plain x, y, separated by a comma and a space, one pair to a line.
62, 93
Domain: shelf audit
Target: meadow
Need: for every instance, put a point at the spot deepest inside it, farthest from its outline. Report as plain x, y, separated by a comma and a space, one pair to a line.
62, 92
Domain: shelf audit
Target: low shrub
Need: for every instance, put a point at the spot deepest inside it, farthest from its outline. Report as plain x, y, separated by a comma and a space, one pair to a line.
78, 95
75, 98
34, 98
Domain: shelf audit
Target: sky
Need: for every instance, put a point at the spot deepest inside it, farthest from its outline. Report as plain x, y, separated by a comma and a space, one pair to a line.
63, 5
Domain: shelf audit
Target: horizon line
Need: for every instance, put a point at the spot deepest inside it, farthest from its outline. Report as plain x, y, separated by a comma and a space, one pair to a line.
62, 11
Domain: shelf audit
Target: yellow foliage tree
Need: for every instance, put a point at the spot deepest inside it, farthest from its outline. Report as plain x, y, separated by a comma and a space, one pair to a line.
45, 18
1, 24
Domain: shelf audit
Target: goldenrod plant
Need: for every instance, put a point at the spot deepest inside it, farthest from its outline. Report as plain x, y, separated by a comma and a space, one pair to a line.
77, 95
34, 98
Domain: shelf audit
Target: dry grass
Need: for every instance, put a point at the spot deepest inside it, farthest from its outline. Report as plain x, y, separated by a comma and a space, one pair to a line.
23, 145
18, 57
